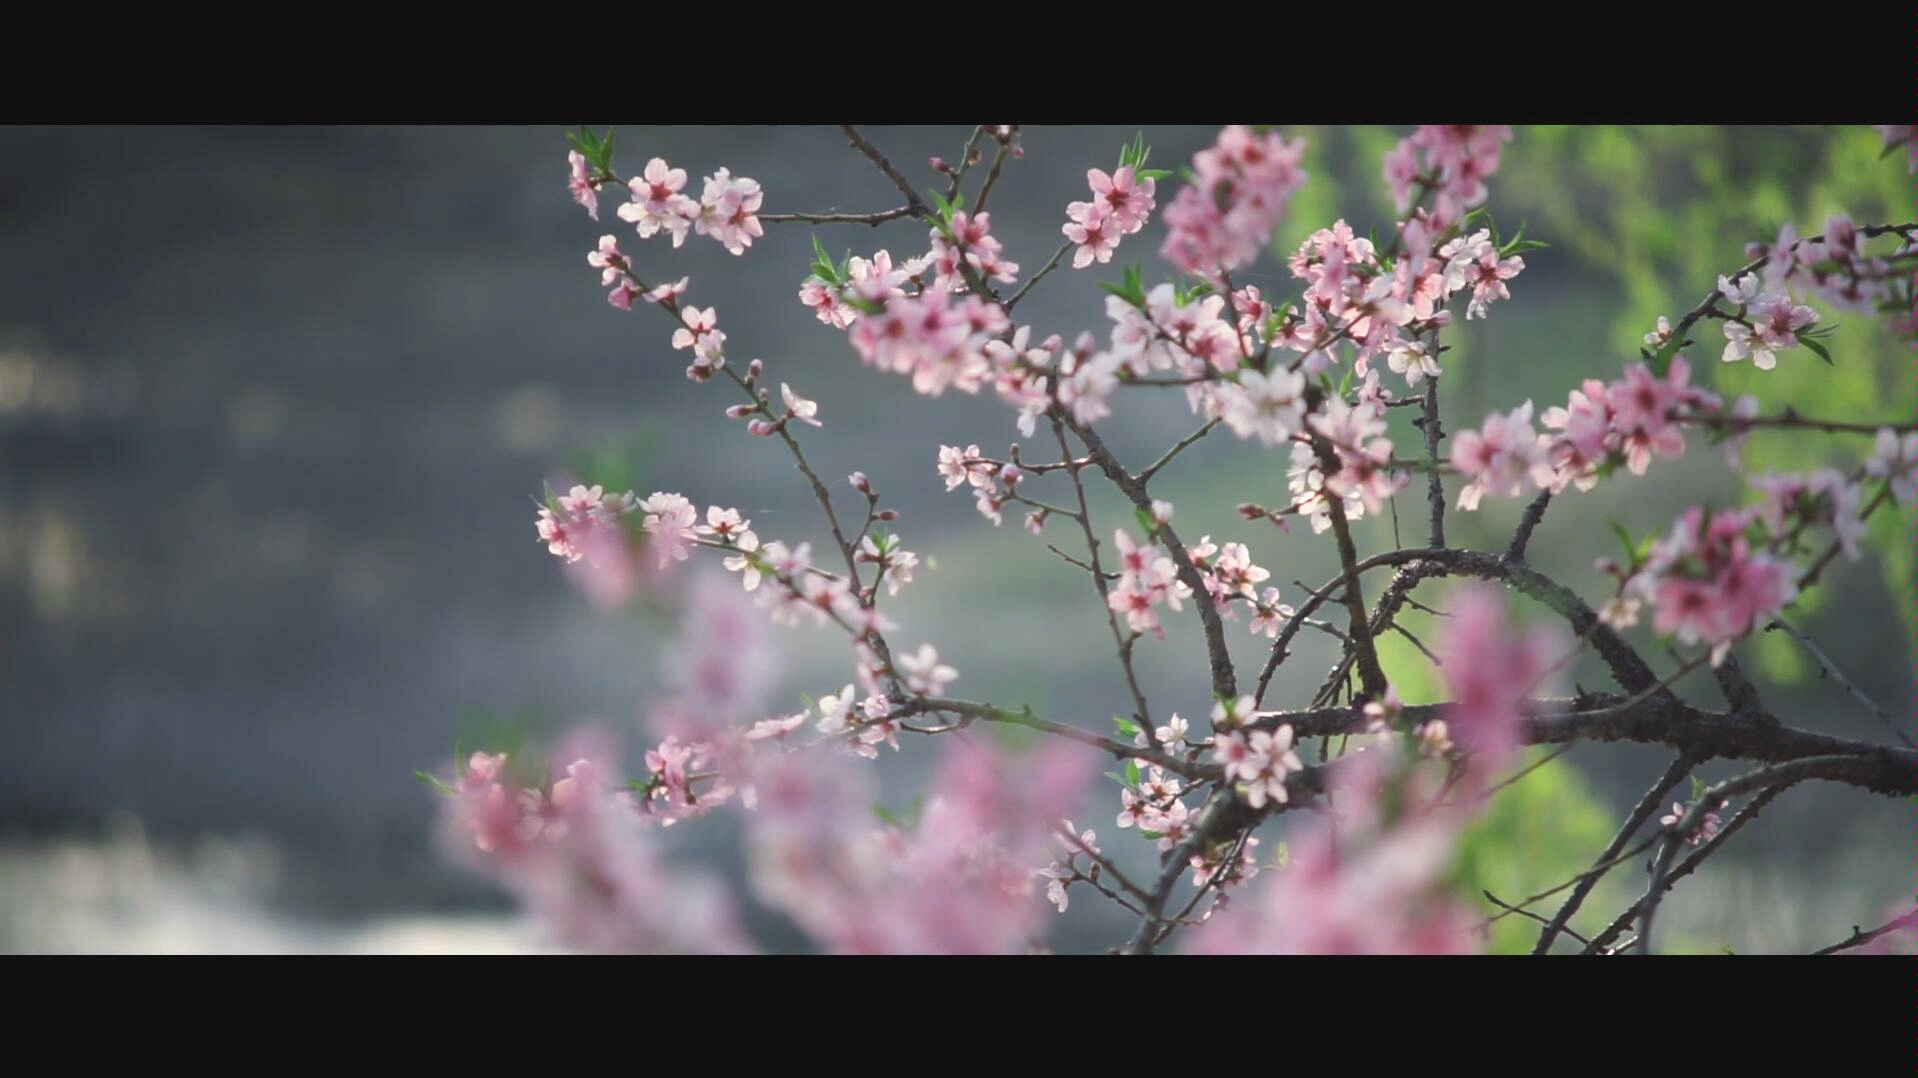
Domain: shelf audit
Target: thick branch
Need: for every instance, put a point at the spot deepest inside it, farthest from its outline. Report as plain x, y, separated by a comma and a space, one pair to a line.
1434, 484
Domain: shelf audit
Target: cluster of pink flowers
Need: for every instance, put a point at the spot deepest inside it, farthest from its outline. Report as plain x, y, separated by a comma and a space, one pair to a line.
966, 241
727, 209
1230, 574
1353, 294
1629, 421
1356, 433
1451, 162
616, 272
1834, 267
1706, 828
960, 468
1764, 323
579, 861
1121, 204
939, 342
1148, 580
873, 280
1825, 498
1358, 883
1708, 584
957, 881
1258, 761
1226, 216
1490, 670
586, 522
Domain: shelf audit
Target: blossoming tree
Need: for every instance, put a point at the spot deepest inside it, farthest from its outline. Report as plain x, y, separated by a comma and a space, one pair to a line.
1311, 375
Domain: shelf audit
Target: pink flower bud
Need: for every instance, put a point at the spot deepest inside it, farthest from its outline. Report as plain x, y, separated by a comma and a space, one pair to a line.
754, 370
1010, 475
1162, 511
740, 411
860, 483
939, 165
760, 427
886, 514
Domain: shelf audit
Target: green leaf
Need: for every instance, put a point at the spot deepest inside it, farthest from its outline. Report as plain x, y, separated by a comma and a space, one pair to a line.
1625, 540
1661, 360
1132, 772
1698, 789
1127, 728
1154, 174
1817, 348
1150, 526
1118, 778
438, 784
888, 817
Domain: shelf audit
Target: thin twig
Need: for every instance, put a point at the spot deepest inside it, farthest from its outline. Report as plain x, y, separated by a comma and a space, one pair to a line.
1648, 804
1859, 937
1829, 670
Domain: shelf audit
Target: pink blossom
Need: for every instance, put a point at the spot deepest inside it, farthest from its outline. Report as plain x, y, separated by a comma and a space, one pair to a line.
1895, 460
671, 520
954, 883
1490, 670
657, 203
1269, 407
1774, 324
1706, 583
1707, 827
1501, 457
728, 209
799, 407
1097, 232
580, 183
671, 290
1128, 198
1243, 183
924, 673
607, 259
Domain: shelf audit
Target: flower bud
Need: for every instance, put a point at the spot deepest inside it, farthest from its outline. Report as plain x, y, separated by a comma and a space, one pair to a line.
740, 411
886, 514
754, 370
1010, 475
861, 484
939, 165
760, 427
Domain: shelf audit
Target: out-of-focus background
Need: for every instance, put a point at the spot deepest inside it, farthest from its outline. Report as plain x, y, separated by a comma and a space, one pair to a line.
275, 405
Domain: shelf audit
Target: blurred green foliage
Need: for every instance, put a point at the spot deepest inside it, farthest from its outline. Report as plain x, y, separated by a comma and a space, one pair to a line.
1537, 834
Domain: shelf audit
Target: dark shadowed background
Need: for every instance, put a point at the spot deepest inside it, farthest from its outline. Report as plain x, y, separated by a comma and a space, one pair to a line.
275, 405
